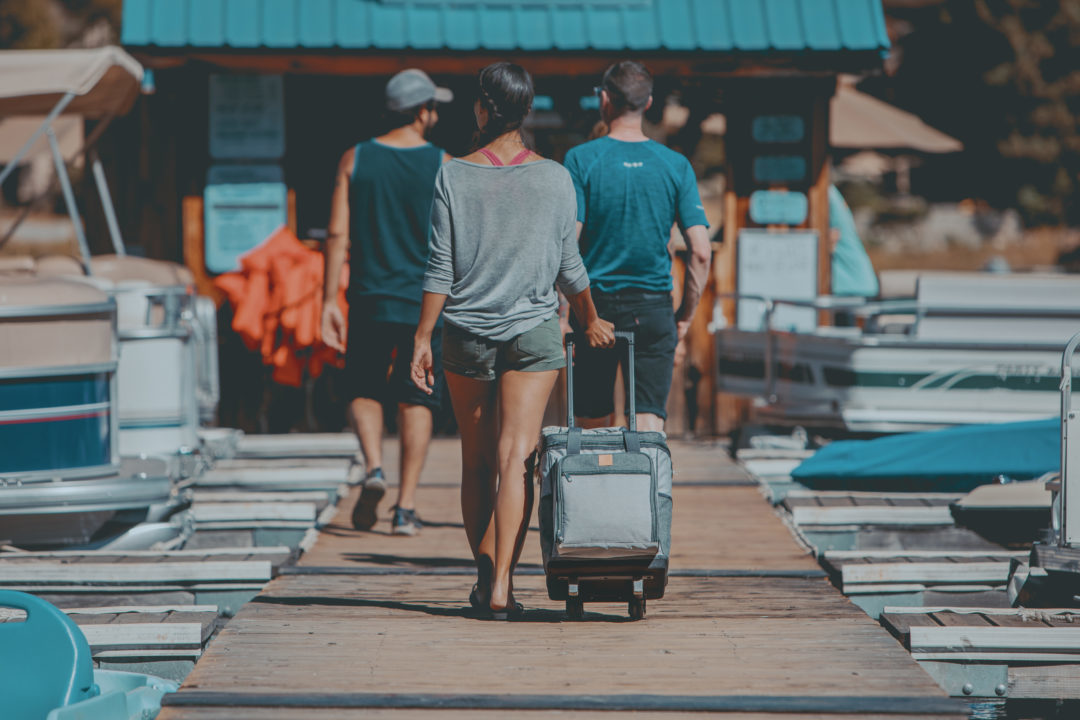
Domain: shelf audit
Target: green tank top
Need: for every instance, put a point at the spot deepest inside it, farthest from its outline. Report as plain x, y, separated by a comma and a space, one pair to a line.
390, 195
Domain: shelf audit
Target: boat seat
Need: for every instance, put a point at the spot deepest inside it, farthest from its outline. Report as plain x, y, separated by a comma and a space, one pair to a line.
982, 307
46, 659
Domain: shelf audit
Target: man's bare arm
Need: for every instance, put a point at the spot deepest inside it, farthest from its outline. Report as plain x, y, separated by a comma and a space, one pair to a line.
696, 276
337, 240
337, 247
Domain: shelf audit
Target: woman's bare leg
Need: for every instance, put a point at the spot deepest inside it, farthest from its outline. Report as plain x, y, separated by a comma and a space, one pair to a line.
522, 399
475, 411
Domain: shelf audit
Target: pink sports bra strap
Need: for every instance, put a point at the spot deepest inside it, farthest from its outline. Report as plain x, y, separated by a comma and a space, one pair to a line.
491, 156
520, 157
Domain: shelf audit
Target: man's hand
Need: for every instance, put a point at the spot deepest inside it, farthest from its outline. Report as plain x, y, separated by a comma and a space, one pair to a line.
333, 327
420, 369
682, 327
600, 334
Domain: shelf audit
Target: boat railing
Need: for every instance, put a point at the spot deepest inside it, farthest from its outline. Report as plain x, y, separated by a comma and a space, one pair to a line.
168, 312
1069, 520
866, 309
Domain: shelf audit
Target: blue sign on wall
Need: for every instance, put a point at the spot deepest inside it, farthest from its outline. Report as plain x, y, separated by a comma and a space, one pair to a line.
779, 168
773, 207
244, 204
778, 128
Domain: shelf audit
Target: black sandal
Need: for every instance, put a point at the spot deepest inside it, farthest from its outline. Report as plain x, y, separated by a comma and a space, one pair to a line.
510, 612
474, 598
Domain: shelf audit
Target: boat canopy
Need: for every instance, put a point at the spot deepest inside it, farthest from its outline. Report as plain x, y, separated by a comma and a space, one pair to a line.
127, 269
97, 83
54, 323
102, 81
949, 460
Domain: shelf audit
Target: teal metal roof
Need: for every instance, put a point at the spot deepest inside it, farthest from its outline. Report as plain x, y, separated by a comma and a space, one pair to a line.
509, 25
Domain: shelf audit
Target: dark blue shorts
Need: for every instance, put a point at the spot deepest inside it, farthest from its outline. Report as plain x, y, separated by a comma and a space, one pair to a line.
651, 317
377, 360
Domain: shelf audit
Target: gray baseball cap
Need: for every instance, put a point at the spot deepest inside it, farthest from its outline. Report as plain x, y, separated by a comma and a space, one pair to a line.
412, 88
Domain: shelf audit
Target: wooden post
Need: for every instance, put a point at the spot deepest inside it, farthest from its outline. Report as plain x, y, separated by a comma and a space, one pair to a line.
194, 247
818, 194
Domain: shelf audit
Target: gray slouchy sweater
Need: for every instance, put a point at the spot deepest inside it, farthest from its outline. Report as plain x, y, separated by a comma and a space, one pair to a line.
501, 238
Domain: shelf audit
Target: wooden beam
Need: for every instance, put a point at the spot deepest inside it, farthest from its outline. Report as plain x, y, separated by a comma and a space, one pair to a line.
976, 640
1015, 612
872, 515
926, 573
922, 554
943, 498
1039, 682
252, 511
143, 636
279, 550
342, 61
44, 573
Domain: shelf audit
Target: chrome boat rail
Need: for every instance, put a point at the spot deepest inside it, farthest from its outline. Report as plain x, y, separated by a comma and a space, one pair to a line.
1068, 522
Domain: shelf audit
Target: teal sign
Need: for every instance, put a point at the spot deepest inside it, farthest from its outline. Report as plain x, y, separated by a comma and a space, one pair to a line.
771, 207
778, 129
243, 204
779, 168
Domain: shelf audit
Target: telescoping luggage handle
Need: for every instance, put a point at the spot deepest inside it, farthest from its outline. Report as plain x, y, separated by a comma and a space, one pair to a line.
573, 445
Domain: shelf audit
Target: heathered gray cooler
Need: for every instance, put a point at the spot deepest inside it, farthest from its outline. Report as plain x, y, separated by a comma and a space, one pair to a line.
605, 510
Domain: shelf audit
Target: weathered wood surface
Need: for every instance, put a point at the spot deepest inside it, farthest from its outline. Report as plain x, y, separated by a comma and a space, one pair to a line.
276, 555
368, 612
210, 713
144, 632
811, 507
297, 445
900, 621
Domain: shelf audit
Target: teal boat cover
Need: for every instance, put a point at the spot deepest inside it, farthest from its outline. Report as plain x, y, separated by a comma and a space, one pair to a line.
951, 460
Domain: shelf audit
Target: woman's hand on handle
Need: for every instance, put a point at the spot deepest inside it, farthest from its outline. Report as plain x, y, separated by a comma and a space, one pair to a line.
600, 334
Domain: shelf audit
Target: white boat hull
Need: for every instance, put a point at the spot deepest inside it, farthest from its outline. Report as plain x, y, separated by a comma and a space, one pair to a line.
886, 384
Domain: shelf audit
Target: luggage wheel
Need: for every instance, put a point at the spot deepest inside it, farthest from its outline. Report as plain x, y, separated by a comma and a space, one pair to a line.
637, 608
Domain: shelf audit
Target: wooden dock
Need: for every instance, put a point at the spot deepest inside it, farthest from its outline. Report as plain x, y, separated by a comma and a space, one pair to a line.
372, 625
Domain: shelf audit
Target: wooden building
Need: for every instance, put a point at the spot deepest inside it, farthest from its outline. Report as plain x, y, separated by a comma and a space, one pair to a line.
254, 100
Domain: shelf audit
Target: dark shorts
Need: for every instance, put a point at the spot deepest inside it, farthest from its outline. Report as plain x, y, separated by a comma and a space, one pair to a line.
377, 360
650, 316
475, 356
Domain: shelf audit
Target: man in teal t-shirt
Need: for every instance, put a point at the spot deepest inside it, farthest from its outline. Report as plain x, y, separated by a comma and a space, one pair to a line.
630, 191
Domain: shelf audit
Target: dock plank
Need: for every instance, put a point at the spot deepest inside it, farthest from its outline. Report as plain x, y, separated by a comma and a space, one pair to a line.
748, 614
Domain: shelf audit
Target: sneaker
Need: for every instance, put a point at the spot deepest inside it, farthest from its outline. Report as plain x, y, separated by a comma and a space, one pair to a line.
356, 469
372, 490
405, 522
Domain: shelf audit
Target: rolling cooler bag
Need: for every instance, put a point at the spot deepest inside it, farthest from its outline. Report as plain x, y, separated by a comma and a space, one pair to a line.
605, 507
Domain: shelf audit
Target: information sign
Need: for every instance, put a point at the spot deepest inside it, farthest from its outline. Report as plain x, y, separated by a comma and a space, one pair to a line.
244, 204
779, 266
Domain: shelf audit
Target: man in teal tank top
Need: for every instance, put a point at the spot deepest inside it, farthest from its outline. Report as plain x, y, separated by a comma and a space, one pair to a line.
380, 217
630, 192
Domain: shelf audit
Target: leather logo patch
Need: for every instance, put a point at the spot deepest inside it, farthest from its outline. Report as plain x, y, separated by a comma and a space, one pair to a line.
606, 460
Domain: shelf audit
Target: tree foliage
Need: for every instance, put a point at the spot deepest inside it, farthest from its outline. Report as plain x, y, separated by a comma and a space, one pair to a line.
1003, 76
39, 24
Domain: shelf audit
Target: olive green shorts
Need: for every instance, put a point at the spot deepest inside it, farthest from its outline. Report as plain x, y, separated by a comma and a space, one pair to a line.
475, 356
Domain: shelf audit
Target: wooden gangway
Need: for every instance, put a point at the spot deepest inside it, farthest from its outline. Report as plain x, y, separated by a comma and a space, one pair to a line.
372, 625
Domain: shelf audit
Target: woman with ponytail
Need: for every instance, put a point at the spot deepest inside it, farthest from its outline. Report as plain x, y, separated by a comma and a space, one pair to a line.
503, 235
